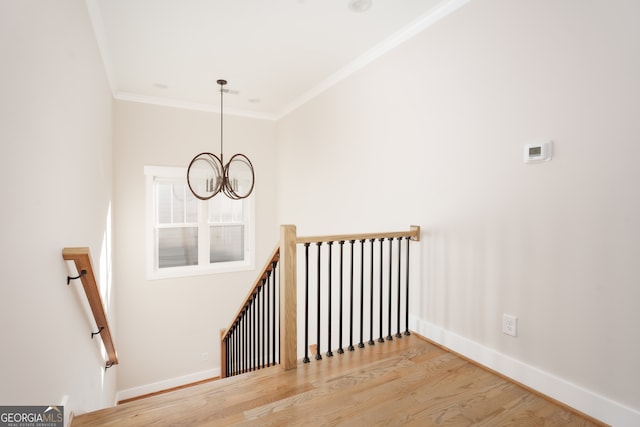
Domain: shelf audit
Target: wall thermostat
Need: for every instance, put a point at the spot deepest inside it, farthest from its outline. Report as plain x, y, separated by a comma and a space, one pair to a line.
538, 152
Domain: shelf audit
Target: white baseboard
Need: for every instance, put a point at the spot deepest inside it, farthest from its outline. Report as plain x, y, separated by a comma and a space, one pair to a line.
166, 384
586, 401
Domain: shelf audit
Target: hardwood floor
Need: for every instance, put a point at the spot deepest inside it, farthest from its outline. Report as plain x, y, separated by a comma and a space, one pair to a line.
405, 382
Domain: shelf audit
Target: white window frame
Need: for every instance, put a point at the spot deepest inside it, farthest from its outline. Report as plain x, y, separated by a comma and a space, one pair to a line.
153, 272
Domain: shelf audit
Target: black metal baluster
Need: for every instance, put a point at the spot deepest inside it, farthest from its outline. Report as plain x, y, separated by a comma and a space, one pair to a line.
252, 361
245, 341
226, 354
248, 338
238, 362
236, 357
398, 334
234, 363
256, 359
245, 351
329, 352
276, 340
252, 330
256, 330
276, 320
371, 341
256, 333
268, 317
340, 349
234, 368
361, 343
351, 348
239, 345
380, 338
306, 303
262, 327
232, 352
389, 336
406, 313
318, 344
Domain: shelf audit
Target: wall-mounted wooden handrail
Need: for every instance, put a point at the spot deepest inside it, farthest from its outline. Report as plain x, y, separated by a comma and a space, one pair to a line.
82, 259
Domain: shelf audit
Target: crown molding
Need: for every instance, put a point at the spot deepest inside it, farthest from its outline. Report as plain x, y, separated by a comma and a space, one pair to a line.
422, 23
177, 103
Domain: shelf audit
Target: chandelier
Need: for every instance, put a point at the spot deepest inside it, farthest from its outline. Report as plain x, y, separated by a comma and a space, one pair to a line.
208, 175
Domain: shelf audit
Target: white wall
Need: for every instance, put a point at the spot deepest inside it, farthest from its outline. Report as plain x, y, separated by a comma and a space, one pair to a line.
171, 322
55, 169
433, 133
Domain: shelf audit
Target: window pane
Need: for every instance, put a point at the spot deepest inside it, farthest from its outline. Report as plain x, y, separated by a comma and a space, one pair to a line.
164, 202
223, 210
178, 198
177, 247
227, 243
192, 207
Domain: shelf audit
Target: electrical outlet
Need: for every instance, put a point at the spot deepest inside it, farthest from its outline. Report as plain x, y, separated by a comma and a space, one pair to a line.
509, 324
205, 356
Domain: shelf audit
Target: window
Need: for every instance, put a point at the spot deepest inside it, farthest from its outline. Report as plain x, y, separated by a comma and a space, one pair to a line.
187, 236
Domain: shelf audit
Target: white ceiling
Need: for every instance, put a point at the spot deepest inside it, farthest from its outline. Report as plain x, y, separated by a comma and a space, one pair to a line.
275, 54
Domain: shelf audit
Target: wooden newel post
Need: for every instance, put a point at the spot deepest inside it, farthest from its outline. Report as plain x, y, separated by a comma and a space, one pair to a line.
288, 298
223, 355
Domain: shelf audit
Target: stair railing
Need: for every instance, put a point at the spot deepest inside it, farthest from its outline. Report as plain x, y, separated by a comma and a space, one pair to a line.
252, 340
357, 283
355, 287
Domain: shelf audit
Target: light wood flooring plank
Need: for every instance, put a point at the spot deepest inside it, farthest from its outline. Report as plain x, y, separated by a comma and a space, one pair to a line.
404, 382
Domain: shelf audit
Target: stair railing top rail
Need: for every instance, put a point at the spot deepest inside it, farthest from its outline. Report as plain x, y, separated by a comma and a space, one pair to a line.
413, 234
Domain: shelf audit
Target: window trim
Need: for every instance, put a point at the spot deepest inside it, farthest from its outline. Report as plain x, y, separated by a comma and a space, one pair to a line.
152, 173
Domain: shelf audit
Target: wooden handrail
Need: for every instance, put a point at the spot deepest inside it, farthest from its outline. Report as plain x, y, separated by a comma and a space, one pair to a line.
413, 233
82, 259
